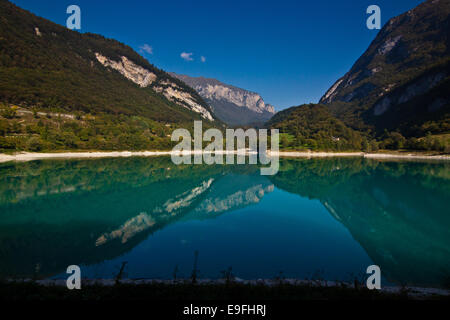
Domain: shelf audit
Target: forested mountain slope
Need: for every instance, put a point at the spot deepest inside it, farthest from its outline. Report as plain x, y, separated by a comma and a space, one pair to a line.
60, 89
402, 82
46, 65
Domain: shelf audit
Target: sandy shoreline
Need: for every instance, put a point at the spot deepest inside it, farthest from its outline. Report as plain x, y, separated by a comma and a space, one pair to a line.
362, 154
29, 156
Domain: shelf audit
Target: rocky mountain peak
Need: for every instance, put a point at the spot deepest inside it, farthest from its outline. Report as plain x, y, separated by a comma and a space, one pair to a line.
409, 42
408, 58
231, 104
145, 78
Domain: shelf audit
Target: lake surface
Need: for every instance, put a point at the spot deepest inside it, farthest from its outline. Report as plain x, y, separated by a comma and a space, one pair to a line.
317, 218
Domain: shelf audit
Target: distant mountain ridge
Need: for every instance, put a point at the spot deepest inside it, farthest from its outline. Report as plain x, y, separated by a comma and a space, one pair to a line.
233, 105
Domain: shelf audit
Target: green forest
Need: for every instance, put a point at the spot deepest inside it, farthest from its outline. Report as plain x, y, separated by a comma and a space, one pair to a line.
37, 131
313, 127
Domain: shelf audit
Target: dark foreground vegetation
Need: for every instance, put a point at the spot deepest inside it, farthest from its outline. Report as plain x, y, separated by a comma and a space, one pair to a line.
14, 291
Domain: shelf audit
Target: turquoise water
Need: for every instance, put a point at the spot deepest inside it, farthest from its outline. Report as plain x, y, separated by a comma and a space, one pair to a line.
319, 218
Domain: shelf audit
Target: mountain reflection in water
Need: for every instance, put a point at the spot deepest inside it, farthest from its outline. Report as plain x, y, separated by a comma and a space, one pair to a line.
88, 212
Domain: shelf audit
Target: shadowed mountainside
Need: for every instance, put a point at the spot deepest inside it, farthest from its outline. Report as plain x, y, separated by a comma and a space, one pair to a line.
402, 81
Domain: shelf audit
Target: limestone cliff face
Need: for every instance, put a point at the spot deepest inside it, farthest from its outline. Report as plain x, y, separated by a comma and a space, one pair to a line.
239, 97
129, 70
145, 78
232, 105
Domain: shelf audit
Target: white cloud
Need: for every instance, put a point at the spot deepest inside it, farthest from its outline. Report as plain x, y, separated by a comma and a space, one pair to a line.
186, 56
203, 59
146, 48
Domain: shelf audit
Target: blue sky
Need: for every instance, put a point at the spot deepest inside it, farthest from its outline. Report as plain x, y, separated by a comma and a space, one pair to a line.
290, 52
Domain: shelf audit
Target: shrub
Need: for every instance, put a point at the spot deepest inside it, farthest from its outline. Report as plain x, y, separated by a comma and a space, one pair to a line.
34, 144
9, 112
